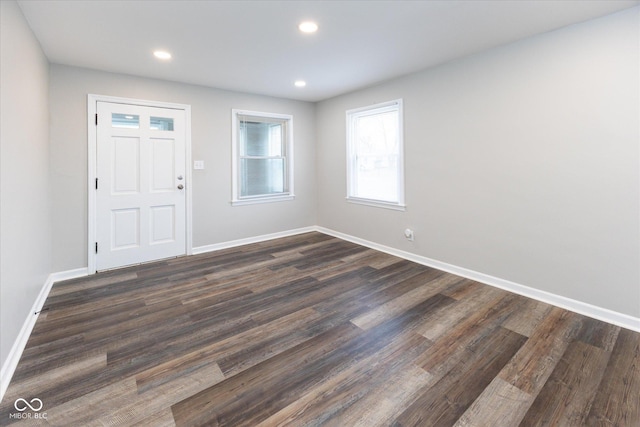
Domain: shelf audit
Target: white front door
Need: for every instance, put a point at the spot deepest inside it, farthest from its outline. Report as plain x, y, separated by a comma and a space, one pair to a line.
140, 185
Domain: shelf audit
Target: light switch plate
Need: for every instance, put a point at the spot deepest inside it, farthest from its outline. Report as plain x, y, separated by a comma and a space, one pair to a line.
198, 164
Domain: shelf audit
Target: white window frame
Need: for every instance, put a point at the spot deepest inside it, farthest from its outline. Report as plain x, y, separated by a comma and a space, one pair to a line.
354, 114
288, 194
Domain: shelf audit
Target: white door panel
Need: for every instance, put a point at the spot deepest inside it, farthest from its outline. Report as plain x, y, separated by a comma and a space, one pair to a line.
125, 156
125, 229
162, 220
163, 160
140, 199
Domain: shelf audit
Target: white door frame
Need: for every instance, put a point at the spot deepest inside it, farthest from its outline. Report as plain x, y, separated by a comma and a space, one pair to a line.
92, 139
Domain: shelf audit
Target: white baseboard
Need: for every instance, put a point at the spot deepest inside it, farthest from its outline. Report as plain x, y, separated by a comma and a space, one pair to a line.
599, 313
249, 240
10, 364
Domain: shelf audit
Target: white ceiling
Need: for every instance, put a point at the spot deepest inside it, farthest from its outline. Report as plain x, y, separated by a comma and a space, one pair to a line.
255, 46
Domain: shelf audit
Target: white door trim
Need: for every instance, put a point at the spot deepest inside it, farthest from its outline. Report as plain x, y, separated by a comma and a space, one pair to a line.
92, 101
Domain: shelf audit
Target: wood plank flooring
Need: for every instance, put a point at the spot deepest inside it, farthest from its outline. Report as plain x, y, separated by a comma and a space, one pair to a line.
310, 330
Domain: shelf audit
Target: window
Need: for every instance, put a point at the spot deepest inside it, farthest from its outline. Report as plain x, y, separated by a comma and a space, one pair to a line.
262, 157
375, 173
161, 123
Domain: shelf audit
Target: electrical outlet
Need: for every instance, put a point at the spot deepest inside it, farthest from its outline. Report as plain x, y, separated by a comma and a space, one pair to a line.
408, 233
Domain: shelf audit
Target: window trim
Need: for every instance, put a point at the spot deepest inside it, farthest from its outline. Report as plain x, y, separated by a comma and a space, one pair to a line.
236, 199
351, 116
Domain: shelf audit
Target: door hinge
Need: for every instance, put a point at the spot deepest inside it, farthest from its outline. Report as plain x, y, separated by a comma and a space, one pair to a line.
96, 183
96, 247
96, 119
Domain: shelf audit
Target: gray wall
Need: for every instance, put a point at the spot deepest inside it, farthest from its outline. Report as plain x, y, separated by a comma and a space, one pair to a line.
25, 247
214, 219
521, 163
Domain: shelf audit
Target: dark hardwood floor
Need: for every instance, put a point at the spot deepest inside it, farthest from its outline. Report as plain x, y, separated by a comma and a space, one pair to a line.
311, 330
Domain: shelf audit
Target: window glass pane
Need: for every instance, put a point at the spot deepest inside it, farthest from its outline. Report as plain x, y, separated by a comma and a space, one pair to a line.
125, 121
261, 177
377, 153
262, 168
161, 123
375, 164
377, 178
259, 139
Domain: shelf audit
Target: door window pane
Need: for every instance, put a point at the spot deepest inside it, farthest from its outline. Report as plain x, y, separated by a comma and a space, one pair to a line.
161, 123
129, 121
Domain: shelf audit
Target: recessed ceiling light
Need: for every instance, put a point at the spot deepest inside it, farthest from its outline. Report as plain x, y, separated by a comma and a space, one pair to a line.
300, 83
162, 54
308, 27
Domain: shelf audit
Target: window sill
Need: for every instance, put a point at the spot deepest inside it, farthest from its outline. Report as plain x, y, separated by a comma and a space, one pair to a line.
377, 204
256, 200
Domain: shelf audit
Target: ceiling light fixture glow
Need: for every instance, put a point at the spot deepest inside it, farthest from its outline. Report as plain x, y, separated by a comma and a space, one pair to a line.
300, 83
162, 54
308, 27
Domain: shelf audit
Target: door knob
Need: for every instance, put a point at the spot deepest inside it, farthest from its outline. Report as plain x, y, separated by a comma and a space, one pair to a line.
180, 187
